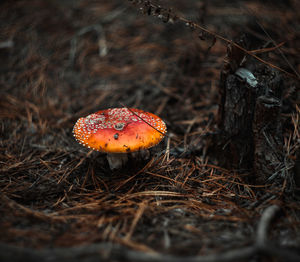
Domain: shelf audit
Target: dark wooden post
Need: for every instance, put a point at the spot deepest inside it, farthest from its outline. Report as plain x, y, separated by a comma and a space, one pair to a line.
249, 116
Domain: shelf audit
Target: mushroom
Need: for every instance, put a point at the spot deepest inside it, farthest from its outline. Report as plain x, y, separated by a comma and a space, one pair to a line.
119, 131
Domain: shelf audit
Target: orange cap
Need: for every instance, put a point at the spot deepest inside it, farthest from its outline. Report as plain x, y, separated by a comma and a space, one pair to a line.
118, 130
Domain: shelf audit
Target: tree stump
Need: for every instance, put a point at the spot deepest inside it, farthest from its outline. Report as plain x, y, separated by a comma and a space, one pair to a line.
249, 116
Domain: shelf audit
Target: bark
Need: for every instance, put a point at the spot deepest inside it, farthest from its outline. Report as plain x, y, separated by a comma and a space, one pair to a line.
236, 123
268, 141
249, 116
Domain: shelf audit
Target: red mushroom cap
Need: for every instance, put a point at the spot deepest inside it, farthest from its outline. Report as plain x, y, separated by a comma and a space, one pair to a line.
118, 130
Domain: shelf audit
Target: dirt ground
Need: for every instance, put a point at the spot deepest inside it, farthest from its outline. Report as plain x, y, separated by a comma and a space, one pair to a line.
61, 60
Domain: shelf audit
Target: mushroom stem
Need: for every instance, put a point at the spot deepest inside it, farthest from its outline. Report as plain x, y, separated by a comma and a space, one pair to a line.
117, 160
143, 154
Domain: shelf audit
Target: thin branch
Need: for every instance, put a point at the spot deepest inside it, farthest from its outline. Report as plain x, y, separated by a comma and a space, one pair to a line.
265, 50
239, 47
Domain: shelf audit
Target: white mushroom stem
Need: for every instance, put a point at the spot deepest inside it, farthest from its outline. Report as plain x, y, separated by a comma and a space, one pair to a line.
117, 160
141, 154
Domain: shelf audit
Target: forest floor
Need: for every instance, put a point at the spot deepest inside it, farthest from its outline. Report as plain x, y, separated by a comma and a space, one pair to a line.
61, 60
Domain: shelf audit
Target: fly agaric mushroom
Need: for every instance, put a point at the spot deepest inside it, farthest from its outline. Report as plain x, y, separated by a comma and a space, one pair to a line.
119, 131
